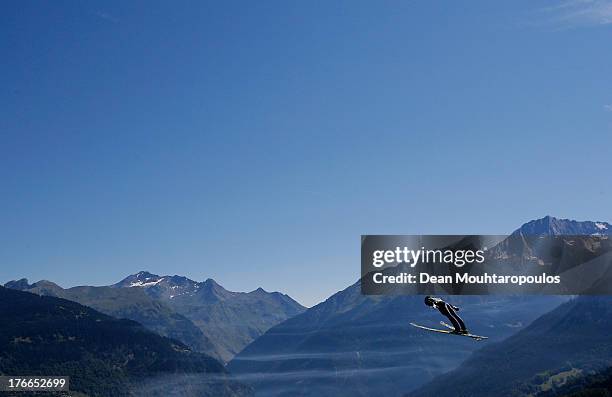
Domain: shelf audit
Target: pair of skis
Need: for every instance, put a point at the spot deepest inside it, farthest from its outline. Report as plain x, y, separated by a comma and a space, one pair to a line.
443, 331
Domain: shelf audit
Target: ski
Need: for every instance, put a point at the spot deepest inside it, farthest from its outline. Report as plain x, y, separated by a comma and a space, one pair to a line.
447, 325
443, 331
470, 335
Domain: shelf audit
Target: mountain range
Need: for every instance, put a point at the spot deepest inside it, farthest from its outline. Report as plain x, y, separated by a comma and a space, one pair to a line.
103, 356
356, 345
230, 320
551, 226
203, 315
349, 345
129, 303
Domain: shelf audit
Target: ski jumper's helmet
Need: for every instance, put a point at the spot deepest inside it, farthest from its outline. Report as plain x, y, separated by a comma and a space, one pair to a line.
429, 301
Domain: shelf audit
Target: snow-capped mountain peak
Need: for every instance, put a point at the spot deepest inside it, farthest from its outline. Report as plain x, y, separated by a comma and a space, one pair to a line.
552, 226
172, 287
140, 279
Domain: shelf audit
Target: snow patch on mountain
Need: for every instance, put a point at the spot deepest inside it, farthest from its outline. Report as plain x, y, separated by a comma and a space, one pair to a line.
145, 283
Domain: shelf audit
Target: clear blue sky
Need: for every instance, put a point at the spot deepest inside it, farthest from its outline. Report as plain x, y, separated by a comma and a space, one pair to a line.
254, 142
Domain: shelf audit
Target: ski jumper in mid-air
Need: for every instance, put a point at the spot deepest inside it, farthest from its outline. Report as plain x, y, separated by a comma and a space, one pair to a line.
449, 311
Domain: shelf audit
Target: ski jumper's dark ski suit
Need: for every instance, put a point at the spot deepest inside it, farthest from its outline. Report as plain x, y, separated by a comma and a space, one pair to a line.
449, 311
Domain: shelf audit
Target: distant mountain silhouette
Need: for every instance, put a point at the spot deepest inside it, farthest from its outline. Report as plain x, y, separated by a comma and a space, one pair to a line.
130, 303
551, 226
356, 345
230, 320
203, 315
104, 356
